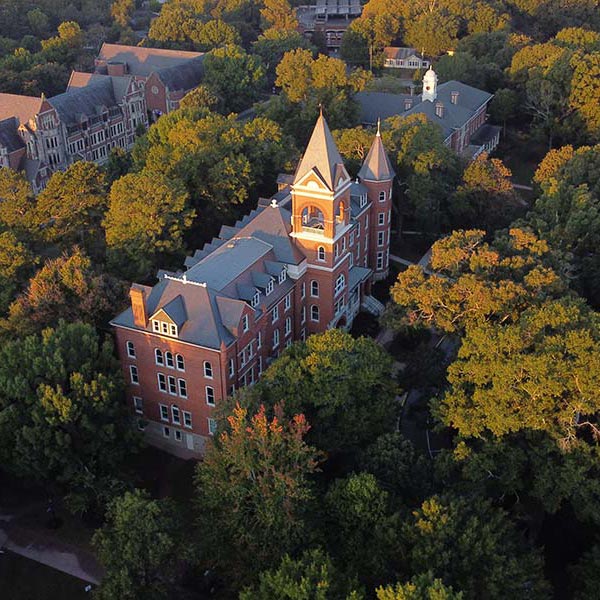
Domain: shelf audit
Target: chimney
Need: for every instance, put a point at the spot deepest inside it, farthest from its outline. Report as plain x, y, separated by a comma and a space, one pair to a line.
116, 69
138, 304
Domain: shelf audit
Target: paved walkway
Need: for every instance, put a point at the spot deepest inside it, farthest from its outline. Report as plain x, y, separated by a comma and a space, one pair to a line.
41, 545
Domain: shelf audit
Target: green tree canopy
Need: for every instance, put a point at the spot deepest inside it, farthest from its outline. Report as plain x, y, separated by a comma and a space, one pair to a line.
421, 587
140, 547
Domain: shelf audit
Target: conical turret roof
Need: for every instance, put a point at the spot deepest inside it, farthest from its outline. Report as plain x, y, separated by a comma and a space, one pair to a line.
322, 155
377, 166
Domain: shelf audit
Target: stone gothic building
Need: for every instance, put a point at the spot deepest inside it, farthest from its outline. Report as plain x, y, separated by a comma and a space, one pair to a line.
299, 264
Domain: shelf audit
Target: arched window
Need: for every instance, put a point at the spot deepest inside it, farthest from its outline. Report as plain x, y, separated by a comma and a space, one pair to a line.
314, 289
158, 357
180, 362
208, 372
314, 313
340, 283
169, 360
313, 217
341, 211
321, 253
381, 196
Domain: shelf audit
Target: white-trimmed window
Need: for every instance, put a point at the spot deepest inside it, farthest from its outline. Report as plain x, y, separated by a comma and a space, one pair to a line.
138, 405
156, 326
287, 302
158, 357
275, 338
283, 275
321, 253
173, 330
164, 412
231, 367
172, 385
255, 300
343, 243
175, 415
269, 289
208, 371
210, 396
303, 290
245, 323
178, 435
187, 419
288, 326
351, 240
381, 196
162, 382
381, 219
275, 314
340, 283
336, 251
169, 361
358, 229
130, 350
179, 362
212, 426
379, 260
182, 388
258, 340
303, 315
380, 238
314, 289
166, 432
314, 313
133, 374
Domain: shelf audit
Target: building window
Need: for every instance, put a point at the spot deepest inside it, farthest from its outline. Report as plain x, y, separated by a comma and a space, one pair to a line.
164, 412
314, 289
321, 253
381, 219
351, 241
210, 396
275, 338
379, 261
231, 367
180, 362
162, 382
288, 326
287, 303
130, 350
166, 432
178, 435
138, 405
208, 372
212, 426
314, 313
258, 340
269, 287
282, 276
169, 360
133, 374
187, 419
172, 385
158, 357
288, 343
380, 238
275, 314
255, 300
336, 251
343, 243
303, 290
303, 315
175, 415
245, 323
340, 283
381, 196
182, 388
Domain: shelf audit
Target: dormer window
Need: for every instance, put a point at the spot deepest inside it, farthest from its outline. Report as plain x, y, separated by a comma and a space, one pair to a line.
269, 287
363, 200
283, 276
255, 300
164, 328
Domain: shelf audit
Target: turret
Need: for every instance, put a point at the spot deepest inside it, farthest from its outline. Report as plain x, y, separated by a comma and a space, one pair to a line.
430, 80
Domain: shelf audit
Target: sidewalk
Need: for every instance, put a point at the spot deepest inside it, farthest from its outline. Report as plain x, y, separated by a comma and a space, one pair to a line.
41, 546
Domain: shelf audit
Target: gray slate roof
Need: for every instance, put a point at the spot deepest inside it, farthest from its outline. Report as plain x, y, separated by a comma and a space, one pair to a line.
377, 166
86, 101
375, 105
9, 138
184, 76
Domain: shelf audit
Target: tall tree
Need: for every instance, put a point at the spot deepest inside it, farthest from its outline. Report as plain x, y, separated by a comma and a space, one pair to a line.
420, 587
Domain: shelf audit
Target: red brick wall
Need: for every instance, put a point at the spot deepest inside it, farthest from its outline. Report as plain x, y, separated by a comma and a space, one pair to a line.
156, 94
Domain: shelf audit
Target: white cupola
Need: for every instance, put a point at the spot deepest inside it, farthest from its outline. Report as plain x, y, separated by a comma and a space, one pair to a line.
429, 86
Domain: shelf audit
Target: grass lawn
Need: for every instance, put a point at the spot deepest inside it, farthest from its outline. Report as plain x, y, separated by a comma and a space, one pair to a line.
24, 579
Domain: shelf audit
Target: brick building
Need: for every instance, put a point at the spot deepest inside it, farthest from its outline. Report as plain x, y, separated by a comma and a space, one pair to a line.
167, 75
459, 109
300, 263
95, 114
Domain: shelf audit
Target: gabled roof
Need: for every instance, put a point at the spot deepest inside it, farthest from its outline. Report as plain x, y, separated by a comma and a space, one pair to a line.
397, 53
321, 155
142, 61
377, 165
184, 76
9, 136
120, 84
23, 108
86, 101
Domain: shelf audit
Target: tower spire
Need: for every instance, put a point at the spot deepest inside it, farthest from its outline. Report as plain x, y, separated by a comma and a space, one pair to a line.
377, 166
